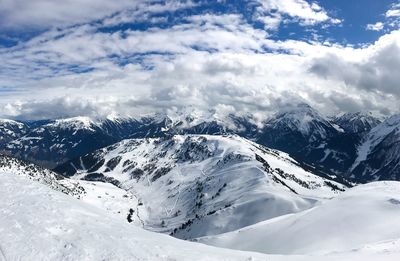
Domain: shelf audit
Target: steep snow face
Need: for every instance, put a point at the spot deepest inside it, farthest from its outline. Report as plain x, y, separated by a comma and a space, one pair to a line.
360, 217
379, 155
196, 185
356, 122
37, 223
10, 130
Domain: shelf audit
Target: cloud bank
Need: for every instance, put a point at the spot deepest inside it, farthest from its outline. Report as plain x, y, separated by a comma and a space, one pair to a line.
95, 66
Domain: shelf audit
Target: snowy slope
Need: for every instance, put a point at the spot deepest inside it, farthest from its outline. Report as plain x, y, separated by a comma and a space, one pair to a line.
102, 195
363, 215
39, 174
37, 223
196, 185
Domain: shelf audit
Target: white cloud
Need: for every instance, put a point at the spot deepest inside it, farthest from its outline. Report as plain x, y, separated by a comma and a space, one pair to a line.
43, 14
394, 11
308, 14
375, 27
393, 16
271, 22
209, 61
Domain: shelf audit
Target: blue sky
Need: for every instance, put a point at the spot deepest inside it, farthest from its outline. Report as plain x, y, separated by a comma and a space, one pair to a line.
355, 16
99, 57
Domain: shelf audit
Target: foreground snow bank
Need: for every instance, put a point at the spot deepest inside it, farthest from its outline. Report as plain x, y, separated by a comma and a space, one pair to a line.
37, 223
364, 215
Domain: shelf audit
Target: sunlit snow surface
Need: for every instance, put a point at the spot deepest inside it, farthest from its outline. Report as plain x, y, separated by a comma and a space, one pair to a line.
361, 216
38, 223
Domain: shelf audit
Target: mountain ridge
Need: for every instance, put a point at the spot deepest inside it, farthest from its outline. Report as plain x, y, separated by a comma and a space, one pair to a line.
331, 145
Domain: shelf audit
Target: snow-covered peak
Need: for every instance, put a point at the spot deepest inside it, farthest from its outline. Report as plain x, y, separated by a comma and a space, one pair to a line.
303, 113
189, 117
301, 118
75, 123
8, 127
357, 122
10, 130
10, 122
119, 118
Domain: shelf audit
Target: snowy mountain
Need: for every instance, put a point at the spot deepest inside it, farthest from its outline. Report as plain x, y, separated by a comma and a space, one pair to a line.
300, 124
50, 143
11, 130
356, 122
192, 122
310, 137
197, 185
330, 145
379, 154
361, 216
57, 141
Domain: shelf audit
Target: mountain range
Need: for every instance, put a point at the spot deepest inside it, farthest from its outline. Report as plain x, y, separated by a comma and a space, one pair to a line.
337, 145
